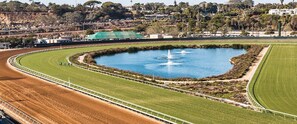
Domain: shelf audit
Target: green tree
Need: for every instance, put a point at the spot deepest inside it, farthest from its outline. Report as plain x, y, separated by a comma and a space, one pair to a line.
92, 3
293, 23
73, 17
191, 25
155, 28
287, 27
213, 30
15, 6
89, 32
183, 5
199, 30
282, 2
249, 2
115, 11
171, 30
215, 23
141, 28
116, 29
181, 26
225, 29
235, 1
188, 12
137, 6
244, 33
60, 10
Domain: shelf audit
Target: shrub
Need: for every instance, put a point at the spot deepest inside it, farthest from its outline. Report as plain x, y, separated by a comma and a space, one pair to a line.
293, 33
244, 33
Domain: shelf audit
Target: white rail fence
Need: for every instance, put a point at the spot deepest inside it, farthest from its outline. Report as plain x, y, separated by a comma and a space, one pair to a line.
131, 106
5, 106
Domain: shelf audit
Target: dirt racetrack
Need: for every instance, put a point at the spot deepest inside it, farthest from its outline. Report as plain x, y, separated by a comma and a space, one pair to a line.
50, 103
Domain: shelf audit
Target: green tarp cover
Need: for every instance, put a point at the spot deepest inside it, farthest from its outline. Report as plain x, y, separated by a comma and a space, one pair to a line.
115, 35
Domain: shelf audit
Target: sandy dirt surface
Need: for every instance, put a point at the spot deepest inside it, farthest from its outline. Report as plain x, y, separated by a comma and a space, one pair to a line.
249, 75
50, 103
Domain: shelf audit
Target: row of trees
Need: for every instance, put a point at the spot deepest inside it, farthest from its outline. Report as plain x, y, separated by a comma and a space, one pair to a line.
91, 10
16, 6
212, 17
19, 42
224, 24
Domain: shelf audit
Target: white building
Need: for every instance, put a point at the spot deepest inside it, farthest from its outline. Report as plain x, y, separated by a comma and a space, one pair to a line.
60, 40
156, 36
160, 36
5, 45
41, 41
282, 12
156, 16
167, 36
129, 8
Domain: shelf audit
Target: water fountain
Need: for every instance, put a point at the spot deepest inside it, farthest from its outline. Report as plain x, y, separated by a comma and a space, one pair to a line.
169, 55
169, 60
183, 52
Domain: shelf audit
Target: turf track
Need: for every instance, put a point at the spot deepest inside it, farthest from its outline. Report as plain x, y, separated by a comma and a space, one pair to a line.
190, 108
276, 86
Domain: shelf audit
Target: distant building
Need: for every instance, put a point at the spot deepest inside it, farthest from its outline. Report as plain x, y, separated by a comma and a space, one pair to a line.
160, 36
156, 16
41, 41
5, 45
167, 36
62, 39
156, 36
282, 12
130, 8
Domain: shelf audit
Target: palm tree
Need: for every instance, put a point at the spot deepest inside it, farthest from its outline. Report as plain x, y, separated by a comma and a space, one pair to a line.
282, 2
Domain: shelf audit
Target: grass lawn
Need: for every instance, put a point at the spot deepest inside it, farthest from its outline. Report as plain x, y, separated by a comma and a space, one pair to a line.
276, 86
190, 108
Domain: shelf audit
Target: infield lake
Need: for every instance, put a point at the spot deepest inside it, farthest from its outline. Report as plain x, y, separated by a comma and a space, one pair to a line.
175, 63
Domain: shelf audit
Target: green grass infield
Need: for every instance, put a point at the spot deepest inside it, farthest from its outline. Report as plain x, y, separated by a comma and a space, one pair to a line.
190, 108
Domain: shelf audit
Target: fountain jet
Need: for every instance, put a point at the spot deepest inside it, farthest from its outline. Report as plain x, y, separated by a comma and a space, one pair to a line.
169, 55
183, 52
169, 60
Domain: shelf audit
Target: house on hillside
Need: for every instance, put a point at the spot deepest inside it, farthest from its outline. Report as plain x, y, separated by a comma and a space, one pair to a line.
282, 12
157, 16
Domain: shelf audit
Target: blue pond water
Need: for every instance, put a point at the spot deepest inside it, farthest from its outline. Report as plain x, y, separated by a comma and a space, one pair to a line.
194, 63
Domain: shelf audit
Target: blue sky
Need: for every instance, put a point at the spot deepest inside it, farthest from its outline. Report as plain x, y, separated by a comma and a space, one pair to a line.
127, 2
